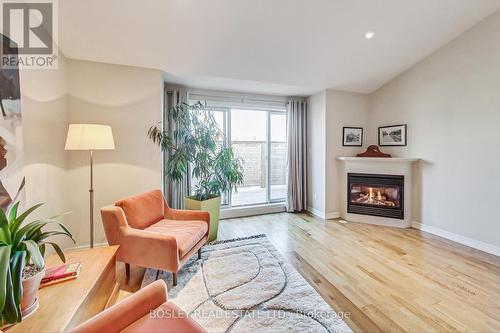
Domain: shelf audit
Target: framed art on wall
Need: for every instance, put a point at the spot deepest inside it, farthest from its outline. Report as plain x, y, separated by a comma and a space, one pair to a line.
352, 136
394, 135
12, 180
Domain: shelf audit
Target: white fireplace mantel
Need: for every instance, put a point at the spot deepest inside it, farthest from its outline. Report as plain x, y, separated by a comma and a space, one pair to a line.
378, 165
377, 159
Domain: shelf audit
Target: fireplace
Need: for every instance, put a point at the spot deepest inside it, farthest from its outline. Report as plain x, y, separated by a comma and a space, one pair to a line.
376, 195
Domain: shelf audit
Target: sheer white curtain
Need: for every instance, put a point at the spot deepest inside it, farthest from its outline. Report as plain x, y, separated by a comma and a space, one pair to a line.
296, 157
174, 191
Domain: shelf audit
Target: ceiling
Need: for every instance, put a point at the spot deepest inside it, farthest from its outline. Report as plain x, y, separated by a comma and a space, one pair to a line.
289, 47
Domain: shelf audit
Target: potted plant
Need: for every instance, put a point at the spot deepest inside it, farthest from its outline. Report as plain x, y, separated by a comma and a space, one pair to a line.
22, 266
196, 144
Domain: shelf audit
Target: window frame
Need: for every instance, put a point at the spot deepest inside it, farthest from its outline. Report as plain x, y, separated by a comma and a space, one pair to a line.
269, 164
227, 111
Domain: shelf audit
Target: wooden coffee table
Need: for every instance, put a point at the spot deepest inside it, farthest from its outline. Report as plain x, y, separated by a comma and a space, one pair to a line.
67, 304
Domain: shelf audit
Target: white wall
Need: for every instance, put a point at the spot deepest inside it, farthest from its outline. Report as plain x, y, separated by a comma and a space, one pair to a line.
130, 100
44, 112
316, 148
127, 98
342, 109
328, 112
451, 103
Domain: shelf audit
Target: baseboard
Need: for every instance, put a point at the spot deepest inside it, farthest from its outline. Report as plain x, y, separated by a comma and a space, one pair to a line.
478, 245
316, 212
86, 246
332, 215
323, 215
235, 212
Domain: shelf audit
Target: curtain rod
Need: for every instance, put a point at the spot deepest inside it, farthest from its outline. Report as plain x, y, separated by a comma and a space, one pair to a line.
246, 100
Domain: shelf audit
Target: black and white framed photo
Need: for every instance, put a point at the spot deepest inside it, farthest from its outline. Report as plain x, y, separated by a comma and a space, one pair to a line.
394, 135
353, 136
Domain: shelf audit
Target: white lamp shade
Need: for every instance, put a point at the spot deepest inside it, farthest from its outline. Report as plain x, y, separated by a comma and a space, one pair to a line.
89, 137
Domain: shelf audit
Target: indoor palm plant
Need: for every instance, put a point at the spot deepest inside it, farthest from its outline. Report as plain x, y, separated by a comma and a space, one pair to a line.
22, 266
196, 144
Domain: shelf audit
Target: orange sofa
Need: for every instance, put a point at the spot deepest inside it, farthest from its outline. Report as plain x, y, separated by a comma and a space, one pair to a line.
153, 235
145, 311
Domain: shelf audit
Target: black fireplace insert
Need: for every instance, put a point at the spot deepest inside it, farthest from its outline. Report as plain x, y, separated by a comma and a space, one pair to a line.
376, 195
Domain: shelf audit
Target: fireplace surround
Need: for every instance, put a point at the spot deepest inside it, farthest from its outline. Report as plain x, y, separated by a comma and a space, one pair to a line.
396, 192
375, 195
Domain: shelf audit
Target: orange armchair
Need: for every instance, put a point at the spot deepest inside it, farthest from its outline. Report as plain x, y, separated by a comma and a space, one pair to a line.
153, 235
145, 311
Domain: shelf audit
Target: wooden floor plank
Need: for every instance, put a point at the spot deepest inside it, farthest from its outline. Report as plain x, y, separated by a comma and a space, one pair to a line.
351, 314
388, 279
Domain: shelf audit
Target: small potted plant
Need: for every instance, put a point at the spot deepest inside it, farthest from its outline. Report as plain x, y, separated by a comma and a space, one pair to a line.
197, 144
22, 266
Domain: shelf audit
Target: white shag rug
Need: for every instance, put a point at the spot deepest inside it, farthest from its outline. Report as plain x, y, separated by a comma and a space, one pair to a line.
245, 285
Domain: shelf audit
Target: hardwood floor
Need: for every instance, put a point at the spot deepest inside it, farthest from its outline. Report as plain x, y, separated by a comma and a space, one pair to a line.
383, 279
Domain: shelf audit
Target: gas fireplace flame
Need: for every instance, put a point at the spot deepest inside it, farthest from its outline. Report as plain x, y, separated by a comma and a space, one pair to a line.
374, 199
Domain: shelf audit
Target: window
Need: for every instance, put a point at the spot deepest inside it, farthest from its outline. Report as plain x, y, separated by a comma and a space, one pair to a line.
259, 137
249, 140
278, 156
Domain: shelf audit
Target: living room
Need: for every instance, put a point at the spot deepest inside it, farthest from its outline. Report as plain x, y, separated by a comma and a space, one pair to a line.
250, 166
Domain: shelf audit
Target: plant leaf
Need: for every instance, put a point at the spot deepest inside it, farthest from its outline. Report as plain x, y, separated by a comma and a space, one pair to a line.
42, 249
35, 232
34, 252
197, 145
58, 250
60, 215
4, 228
48, 234
10, 311
4, 270
13, 212
17, 264
20, 235
19, 220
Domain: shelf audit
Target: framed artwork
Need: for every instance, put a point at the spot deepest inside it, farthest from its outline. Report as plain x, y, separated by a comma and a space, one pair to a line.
394, 135
352, 136
11, 132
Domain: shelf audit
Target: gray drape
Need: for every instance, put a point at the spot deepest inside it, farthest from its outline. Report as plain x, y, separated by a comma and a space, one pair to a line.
174, 191
296, 157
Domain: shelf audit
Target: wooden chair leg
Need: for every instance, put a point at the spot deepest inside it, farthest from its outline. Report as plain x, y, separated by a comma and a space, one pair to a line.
199, 253
174, 279
127, 270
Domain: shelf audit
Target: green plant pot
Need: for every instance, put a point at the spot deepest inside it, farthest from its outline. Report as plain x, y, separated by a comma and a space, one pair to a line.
212, 206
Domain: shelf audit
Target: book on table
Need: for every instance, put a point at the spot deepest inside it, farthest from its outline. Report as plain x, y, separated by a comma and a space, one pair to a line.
61, 273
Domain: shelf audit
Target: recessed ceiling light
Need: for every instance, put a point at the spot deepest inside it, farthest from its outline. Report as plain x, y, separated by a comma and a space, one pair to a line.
369, 35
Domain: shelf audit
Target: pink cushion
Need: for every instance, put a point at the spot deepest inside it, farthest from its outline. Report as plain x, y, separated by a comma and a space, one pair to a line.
143, 210
187, 233
169, 318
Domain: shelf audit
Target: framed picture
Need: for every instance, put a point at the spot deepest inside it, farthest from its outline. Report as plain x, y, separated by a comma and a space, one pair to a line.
353, 136
394, 135
12, 181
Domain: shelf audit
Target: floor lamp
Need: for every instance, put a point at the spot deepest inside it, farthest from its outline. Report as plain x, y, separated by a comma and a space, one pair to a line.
90, 137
